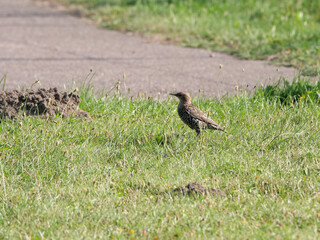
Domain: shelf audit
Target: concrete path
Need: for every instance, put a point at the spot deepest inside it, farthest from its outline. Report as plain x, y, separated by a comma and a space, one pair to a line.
38, 42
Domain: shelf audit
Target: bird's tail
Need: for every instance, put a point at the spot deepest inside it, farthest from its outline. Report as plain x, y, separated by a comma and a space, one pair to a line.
217, 127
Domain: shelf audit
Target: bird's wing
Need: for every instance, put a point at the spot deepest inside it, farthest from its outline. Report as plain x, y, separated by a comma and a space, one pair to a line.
198, 114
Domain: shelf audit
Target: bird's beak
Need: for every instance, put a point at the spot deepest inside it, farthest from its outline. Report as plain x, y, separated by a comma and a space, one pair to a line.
173, 94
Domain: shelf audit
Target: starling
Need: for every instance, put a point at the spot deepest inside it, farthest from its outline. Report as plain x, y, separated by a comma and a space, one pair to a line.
193, 116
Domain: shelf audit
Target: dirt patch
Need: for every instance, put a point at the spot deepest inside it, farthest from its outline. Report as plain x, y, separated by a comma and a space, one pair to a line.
196, 188
47, 103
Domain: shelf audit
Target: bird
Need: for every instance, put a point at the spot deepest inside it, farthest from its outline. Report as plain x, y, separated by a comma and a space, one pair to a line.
193, 116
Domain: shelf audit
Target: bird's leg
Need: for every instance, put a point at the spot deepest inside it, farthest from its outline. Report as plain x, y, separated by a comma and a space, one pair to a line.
198, 131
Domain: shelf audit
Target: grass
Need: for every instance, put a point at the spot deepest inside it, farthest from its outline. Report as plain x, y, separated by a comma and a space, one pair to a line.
112, 177
284, 32
290, 92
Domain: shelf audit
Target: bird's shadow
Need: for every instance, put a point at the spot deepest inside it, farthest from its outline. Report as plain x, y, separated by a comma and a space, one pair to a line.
193, 190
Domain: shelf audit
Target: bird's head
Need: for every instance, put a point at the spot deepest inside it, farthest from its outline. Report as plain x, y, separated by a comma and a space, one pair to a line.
183, 97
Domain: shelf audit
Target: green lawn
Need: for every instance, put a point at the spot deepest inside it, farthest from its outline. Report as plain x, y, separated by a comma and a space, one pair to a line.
113, 176
285, 32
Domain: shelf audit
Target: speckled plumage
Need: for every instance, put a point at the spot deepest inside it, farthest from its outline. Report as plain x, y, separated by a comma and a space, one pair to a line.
193, 116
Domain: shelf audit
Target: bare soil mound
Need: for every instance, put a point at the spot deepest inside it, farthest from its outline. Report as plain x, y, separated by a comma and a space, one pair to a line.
196, 188
47, 103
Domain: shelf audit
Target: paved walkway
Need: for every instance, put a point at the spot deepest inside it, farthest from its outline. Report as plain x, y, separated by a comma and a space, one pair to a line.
41, 43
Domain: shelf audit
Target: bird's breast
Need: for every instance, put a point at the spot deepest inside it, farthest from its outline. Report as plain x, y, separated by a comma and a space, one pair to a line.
186, 117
